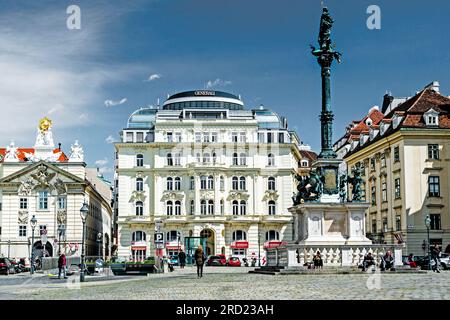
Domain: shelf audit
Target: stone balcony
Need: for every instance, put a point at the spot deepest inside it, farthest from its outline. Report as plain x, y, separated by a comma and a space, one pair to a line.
136, 219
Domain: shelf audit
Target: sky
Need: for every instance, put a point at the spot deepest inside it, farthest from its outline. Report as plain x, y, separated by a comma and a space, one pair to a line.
129, 54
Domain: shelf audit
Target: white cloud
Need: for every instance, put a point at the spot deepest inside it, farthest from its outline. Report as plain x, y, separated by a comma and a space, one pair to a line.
112, 103
154, 76
217, 83
102, 166
102, 162
110, 139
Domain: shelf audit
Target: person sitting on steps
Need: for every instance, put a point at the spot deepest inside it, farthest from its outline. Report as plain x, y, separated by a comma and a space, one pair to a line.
387, 261
368, 261
318, 262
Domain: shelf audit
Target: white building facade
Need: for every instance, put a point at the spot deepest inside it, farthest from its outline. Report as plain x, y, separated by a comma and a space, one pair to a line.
206, 167
45, 183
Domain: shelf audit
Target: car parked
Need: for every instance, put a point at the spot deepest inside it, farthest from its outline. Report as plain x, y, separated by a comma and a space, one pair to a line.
445, 261
6, 267
234, 262
218, 260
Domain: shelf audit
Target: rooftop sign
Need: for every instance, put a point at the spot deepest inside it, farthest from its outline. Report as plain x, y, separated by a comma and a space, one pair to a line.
205, 93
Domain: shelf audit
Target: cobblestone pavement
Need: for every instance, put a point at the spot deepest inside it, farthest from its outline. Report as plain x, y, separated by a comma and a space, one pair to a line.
237, 284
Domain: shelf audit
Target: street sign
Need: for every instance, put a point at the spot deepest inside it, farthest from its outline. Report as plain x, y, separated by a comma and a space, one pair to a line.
159, 237
160, 245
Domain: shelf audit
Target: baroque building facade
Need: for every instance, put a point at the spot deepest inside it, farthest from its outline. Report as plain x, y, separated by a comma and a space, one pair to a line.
206, 167
46, 183
403, 153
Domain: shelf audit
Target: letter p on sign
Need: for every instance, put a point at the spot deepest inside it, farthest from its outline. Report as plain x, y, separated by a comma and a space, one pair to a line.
74, 20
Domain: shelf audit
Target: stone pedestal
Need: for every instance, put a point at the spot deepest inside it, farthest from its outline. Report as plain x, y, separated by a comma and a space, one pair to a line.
330, 223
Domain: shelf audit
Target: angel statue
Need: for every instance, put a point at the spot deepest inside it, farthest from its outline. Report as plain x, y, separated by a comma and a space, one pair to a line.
11, 153
77, 153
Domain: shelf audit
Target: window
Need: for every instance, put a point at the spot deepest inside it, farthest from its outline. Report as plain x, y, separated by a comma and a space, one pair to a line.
243, 159
385, 225
140, 137
210, 182
433, 151
169, 183
435, 222
203, 207
192, 183
178, 136
243, 208
192, 207
239, 235
202, 182
169, 208
139, 184
222, 207
242, 183
139, 160
177, 183
372, 164
397, 189
22, 231
214, 137
169, 137
243, 137
222, 183
398, 223
198, 137
280, 137
138, 236
43, 200
271, 208
261, 137
271, 183
169, 159
206, 137
374, 226
269, 137
433, 186
234, 137
177, 208
23, 203
272, 235
173, 235
374, 195
235, 183
210, 207
129, 137
214, 158
62, 203
304, 163
235, 208
384, 192
139, 208
177, 159
270, 160
396, 154
235, 159
383, 160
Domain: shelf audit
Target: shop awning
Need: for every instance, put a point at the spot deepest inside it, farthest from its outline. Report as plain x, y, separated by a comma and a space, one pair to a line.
274, 244
134, 248
173, 247
239, 245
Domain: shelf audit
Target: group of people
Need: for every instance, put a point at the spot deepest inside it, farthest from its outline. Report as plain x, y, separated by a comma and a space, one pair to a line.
387, 261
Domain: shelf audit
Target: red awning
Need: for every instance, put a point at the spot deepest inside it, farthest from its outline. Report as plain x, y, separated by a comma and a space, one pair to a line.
173, 247
138, 248
274, 244
239, 245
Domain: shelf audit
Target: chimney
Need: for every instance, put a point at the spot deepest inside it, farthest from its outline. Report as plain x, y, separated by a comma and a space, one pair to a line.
433, 86
387, 100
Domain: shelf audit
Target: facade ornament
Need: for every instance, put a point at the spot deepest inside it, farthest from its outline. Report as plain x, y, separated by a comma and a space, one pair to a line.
44, 137
309, 189
137, 196
60, 187
270, 195
26, 187
237, 195
12, 153
207, 195
43, 177
61, 216
356, 182
77, 153
343, 179
23, 217
171, 195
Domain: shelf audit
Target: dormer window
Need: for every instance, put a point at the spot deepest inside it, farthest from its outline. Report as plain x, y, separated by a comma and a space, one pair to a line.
431, 118
396, 119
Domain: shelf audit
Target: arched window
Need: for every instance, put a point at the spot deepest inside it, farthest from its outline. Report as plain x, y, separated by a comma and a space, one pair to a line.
139, 208
222, 207
177, 159
243, 159
243, 207
214, 158
210, 207
242, 183
270, 160
139, 160
139, 184
169, 183
235, 207
235, 159
271, 183
206, 158
210, 182
239, 235
169, 159
203, 182
272, 235
192, 207
192, 183
203, 207
177, 208
235, 183
272, 207
138, 236
177, 183
222, 183
173, 235
169, 208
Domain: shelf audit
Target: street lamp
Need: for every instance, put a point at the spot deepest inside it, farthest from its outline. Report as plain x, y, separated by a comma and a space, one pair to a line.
9, 247
428, 224
33, 223
83, 213
99, 241
259, 248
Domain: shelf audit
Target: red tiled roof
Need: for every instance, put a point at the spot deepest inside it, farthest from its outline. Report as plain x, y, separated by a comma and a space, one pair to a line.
22, 151
308, 154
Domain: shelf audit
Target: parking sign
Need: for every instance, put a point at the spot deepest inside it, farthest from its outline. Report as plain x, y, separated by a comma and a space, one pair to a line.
159, 237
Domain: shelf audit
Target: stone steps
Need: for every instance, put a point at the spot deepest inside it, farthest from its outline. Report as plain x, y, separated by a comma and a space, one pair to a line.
325, 270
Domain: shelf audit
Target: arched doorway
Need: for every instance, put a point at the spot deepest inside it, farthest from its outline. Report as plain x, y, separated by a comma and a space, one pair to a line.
39, 250
208, 234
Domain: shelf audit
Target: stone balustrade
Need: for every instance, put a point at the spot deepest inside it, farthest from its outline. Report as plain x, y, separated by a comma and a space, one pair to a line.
295, 255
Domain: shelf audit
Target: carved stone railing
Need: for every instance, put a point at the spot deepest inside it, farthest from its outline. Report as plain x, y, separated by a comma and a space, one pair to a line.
294, 255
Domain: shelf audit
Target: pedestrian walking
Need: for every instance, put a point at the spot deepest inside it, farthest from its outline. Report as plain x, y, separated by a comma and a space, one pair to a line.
62, 266
199, 260
435, 252
182, 259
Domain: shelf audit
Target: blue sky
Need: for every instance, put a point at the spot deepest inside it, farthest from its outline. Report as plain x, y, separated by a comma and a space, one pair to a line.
256, 48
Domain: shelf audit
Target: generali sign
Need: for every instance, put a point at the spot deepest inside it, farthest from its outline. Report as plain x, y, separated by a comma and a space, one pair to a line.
205, 93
